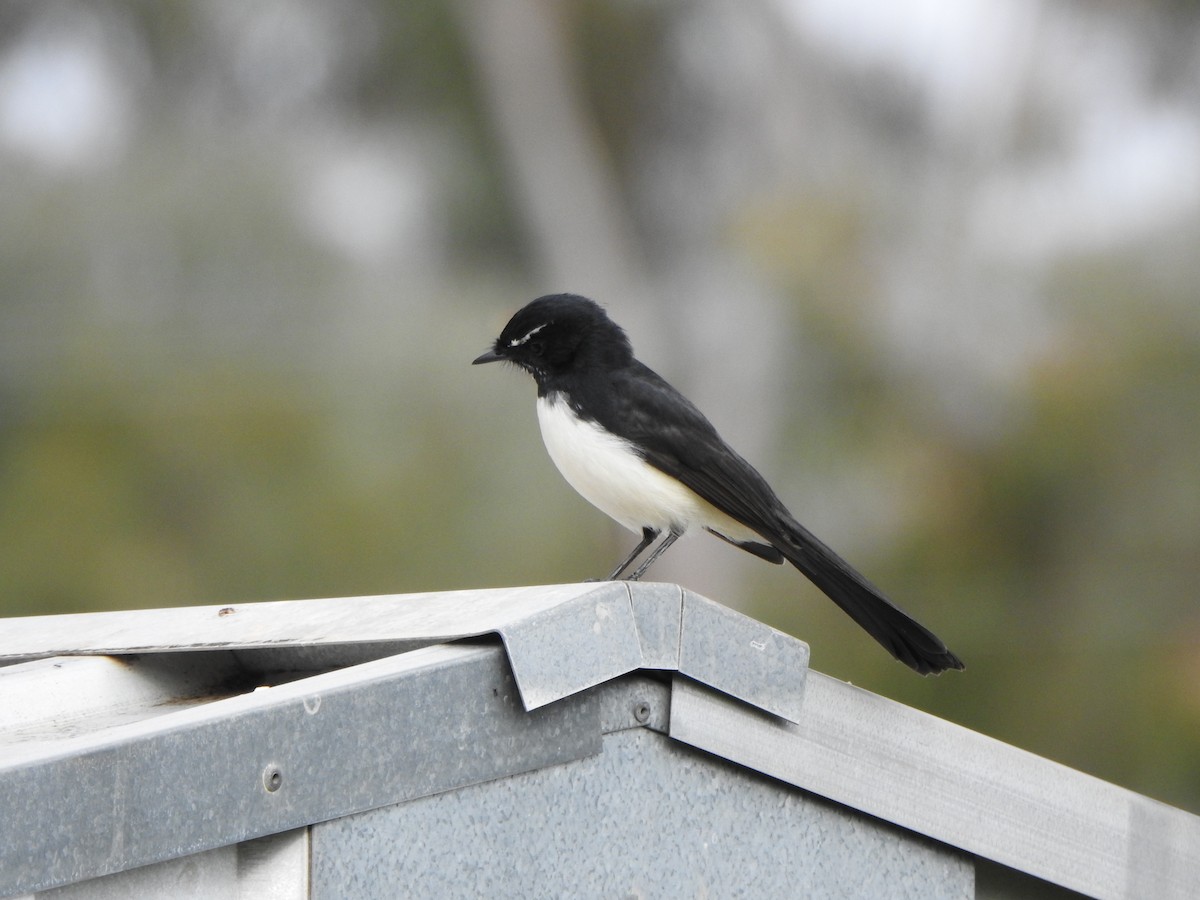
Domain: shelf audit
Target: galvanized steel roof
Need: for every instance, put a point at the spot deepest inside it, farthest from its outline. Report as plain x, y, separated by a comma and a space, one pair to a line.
118, 721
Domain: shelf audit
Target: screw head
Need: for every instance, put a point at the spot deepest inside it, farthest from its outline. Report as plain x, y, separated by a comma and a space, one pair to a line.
641, 712
272, 778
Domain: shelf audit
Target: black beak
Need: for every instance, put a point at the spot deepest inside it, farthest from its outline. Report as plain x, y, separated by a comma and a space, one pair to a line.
490, 356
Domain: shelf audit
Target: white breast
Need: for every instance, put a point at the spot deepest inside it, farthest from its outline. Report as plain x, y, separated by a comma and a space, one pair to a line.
610, 475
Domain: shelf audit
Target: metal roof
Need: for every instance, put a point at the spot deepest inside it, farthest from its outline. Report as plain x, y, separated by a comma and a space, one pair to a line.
132, 737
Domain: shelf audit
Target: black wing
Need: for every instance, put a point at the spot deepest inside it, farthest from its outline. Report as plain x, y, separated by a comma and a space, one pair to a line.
676, 438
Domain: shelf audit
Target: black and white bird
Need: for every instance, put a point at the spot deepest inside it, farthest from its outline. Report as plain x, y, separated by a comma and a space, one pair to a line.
638, 450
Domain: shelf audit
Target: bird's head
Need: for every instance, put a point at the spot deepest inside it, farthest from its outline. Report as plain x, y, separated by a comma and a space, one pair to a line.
557, 334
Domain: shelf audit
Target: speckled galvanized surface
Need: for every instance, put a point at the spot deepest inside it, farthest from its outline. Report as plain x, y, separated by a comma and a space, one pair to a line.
267, 761
646, 818
936, 778
742, 657
561, 639
270, 868
131, 766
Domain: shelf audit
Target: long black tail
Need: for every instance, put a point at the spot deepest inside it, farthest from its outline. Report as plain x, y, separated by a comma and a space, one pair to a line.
903, 636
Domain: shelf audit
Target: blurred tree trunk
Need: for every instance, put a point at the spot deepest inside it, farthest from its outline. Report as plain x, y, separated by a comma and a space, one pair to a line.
569, 198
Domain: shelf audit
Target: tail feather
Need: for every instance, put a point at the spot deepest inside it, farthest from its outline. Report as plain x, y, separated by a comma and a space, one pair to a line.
900, 634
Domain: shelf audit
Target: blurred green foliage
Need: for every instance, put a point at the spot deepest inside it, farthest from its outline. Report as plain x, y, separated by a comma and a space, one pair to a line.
150, 489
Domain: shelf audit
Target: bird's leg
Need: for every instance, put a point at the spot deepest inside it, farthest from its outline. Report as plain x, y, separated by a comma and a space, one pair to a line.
672, 537
648, 536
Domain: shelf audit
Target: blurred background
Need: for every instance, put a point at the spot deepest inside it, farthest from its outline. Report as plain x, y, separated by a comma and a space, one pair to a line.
933, 267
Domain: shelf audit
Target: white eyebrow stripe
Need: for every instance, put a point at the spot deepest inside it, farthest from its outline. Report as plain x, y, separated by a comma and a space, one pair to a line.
517, 342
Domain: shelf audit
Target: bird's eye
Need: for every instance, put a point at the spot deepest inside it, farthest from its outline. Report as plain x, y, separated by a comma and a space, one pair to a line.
536, 348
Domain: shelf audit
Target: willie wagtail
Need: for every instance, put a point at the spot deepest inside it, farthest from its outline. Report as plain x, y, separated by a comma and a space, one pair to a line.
639, 451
